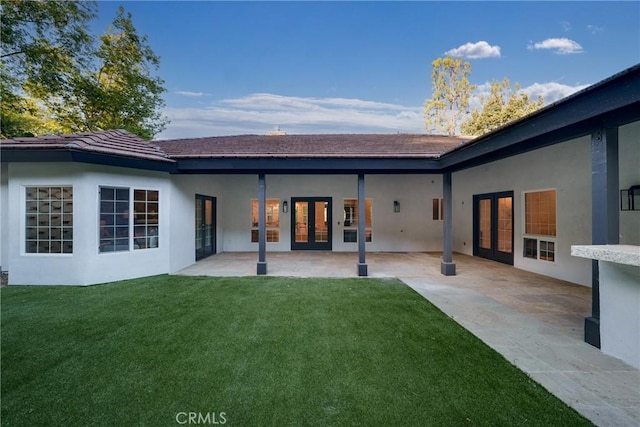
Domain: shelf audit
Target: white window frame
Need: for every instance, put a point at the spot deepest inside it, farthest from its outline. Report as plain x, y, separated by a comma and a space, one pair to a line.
353, 224
23, 220
131, 222
539, 238
269, 229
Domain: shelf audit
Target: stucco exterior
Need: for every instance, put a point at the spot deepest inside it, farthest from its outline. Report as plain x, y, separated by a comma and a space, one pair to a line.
629, 158
564, 167
410, 230
85, 265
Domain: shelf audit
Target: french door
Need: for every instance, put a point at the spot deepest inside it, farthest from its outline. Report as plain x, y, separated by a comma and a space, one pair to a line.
311, 223
493, 226
205, 226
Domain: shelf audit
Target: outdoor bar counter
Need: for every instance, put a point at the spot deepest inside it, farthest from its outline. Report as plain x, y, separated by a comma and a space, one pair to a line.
619, 267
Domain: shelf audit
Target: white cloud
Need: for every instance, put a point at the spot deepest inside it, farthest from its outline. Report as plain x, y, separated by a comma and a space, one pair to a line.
551, 91
594, 29
561, 46
258, 113
189, 93
477, 50
566, 26
261, 112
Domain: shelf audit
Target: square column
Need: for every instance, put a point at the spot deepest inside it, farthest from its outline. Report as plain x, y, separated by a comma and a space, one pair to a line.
605, 218
262, 227
447, 266
362, 265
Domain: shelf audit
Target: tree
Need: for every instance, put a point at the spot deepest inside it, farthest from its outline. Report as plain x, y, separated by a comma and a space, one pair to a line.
58, 80
41, 43
501, 106
120, 92
447, 107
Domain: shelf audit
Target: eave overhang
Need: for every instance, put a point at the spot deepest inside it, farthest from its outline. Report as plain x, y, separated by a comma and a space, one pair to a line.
313, 165
70, 155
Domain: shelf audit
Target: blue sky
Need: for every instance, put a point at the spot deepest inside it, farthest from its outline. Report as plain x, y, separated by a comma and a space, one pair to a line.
364, 67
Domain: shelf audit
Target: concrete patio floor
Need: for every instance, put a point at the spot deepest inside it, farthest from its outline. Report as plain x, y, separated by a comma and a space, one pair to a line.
534, 321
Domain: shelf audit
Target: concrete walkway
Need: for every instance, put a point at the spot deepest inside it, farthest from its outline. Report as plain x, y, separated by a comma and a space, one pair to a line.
534, 321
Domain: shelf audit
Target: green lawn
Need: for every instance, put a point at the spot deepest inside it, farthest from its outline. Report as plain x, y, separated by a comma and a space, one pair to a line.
265, 351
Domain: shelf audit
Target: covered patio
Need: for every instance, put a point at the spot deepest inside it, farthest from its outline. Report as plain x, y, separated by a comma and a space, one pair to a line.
534, 321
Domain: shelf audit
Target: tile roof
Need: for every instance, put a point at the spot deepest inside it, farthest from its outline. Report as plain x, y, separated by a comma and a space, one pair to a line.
124, 144
111, 142
306, 146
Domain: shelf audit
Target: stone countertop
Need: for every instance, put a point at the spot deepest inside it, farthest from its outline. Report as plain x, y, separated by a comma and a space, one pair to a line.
620, 254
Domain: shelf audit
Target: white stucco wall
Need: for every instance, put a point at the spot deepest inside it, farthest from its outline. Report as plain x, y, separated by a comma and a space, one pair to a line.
85, 265
629, 164
565, 167
4, 215
412, 229
182, 232
620, 311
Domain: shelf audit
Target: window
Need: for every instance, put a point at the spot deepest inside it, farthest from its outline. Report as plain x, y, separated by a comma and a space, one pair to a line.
547, 250
272, 215
438, 209
116, 220
530, 248
540, 220
49, 220
540, 212
350, 220
350, 236
145, 219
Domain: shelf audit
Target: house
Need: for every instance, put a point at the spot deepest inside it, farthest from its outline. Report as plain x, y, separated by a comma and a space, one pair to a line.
97, 207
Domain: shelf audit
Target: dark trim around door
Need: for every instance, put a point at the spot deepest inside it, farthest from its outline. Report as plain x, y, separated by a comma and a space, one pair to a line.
493, 226
318, 232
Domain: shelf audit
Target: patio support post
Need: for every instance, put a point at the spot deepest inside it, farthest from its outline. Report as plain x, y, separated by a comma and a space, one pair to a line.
447, 266
362, 265
605, 219
262, 227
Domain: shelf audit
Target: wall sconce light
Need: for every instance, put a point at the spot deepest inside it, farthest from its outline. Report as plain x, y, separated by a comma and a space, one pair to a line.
285, 207
396, 206
630, 198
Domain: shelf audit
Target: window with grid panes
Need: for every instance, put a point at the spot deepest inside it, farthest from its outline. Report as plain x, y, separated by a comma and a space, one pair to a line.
49, 220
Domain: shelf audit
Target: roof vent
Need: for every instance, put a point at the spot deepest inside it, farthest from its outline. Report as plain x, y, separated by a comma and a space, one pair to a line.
276, 132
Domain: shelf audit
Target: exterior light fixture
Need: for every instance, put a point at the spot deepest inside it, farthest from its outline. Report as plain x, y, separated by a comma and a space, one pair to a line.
630, 198
285, 206
396, 206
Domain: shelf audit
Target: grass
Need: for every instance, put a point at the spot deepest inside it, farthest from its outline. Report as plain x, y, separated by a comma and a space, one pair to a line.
265, 351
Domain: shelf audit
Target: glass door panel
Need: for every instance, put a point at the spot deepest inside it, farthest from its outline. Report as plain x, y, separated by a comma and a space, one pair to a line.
301, 221
208, 223
505, 224
199, 239
311, 223
485, 223
205, 226
321, 227
493, 226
